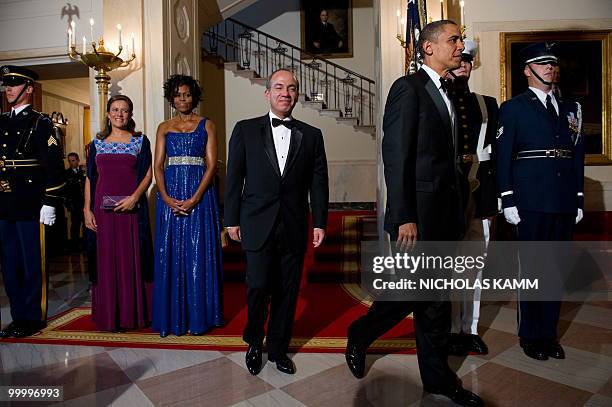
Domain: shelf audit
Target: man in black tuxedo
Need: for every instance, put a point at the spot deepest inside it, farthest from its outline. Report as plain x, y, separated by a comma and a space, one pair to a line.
419, 156
325, 38
74, 199
274, 163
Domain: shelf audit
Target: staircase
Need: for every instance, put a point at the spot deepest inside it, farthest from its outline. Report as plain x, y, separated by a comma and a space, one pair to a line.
329, 88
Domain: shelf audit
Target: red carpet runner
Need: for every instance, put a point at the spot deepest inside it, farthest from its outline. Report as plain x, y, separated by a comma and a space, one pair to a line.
329, 301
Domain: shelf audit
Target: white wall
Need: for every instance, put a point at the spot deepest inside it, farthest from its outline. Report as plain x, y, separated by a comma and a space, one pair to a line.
35, 28
486, 19
351, 154
68, 96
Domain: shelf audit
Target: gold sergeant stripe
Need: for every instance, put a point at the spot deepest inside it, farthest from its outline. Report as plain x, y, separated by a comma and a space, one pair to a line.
55, 188
43, 268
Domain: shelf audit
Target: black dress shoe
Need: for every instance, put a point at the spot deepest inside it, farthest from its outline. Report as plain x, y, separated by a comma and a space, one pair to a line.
474, 343
459, 395
9, 331
554, 350
355, 359
534, 350
456, 345
283, 363
253, 359
28, 328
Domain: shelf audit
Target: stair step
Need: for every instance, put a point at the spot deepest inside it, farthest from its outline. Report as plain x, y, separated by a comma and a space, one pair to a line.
246, 73
330, 112
258, 81
313, 105
348, 120
232, 66
366, 129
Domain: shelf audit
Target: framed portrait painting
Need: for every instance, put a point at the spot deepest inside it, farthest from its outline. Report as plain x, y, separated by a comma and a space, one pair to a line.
583, 75
327, 28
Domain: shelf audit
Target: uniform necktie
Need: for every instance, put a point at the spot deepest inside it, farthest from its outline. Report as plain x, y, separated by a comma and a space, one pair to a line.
550, 107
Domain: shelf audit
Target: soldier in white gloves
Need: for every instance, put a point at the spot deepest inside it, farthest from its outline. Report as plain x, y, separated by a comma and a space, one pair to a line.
31, 168
540, 174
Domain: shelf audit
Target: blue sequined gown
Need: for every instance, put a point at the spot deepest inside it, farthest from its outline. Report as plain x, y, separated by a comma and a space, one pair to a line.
188, 264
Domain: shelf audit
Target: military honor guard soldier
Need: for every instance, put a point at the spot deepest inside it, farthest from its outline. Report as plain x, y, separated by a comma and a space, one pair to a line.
476, 117
540, 174
31, 175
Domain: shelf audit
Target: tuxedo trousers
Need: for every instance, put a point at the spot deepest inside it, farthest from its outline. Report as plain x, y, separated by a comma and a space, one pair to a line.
273, 278
432, 322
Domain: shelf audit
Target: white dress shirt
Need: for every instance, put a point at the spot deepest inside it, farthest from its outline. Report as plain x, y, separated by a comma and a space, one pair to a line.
542, 96
16, 110
282, 138
436, 80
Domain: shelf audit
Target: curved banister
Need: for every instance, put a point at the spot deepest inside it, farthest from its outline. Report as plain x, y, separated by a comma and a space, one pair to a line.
332, 87
302, 51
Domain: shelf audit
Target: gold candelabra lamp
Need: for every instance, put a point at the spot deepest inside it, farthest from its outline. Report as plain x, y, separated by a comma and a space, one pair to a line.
101, 60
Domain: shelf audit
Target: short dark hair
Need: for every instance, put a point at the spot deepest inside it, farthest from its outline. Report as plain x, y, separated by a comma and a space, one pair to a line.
431, 32
269, 78
73, 154
174, 82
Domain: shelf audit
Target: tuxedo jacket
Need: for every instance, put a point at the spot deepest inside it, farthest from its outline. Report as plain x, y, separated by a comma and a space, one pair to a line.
419, 161
257, 196
551, 185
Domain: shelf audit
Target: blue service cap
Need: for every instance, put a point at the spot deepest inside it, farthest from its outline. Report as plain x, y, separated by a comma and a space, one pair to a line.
538, 53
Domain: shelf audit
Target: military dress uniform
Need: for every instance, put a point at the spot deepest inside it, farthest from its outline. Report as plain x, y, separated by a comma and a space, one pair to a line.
540, 171
31, 176
476, 117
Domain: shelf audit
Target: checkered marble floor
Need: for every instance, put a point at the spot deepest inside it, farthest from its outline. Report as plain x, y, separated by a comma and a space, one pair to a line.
99, 376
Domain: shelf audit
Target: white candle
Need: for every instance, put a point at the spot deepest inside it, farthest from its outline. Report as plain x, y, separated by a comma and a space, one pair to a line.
73, 25
462, 4
84, 45
119, 29
403, 32
69, 38
397, 23
133, 48
91, 23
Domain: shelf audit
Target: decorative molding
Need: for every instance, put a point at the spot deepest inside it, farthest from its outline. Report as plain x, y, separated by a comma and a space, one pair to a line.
181, 22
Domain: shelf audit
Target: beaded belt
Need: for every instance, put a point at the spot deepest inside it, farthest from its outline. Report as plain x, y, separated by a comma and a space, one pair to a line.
186, 160
554, 153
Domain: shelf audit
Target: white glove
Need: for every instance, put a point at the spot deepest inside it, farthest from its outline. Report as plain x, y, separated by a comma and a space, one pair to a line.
47, 215
579, 216
511, 215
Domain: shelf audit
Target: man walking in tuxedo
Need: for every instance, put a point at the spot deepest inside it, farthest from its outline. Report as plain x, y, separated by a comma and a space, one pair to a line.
274, 163
419, 156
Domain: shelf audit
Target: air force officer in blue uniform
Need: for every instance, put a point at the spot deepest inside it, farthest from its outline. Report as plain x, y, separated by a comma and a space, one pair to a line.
540, 173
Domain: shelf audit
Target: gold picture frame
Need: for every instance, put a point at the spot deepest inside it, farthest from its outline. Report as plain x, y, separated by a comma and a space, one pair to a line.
339, 17
579, 56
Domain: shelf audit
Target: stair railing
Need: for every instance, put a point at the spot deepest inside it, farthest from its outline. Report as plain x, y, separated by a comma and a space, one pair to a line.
336, 87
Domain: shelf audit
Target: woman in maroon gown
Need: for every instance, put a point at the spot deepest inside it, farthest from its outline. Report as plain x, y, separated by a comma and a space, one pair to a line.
118, 175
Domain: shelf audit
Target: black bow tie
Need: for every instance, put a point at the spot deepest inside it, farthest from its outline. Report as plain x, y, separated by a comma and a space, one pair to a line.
287, 123
445, 84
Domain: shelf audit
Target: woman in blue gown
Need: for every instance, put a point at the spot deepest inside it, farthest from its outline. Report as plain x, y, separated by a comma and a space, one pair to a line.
188, 265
